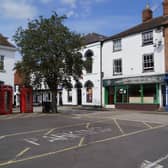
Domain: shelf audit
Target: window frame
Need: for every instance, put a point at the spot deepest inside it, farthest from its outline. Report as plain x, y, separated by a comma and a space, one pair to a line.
115, 73
69, 96
149, 39
149, 68
2, 59
89, 94
117, 45
89, 61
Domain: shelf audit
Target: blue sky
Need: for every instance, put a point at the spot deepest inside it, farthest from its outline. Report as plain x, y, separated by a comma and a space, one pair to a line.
106, 17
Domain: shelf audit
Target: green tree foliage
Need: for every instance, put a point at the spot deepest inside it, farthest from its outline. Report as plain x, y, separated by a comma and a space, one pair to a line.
49, 53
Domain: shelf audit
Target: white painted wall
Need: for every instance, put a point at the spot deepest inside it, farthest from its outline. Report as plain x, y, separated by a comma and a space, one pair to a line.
9, 59
94, 77
132, 56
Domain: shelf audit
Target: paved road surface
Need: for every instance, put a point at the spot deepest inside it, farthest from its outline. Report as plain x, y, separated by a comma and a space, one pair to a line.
84, 139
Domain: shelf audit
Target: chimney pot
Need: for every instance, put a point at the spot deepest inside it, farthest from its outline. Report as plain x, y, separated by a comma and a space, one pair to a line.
147, 14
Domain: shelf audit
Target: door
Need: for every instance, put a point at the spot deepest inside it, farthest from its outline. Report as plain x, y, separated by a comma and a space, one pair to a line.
79, 96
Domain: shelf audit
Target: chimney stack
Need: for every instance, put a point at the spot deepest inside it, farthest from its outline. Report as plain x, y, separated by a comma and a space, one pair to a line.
147, 14
165, 7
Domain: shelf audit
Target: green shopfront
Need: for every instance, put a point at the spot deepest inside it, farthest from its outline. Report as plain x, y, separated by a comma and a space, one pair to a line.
143, 93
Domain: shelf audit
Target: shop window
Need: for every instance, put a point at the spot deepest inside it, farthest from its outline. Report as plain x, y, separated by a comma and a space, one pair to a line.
1, 63
117, 45
134, 94
148, 63
149, 92
121, 94
147, 38
117, 67
69, 91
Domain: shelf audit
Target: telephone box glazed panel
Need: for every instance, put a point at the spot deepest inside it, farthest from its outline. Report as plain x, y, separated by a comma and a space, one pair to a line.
6, 95
26, 100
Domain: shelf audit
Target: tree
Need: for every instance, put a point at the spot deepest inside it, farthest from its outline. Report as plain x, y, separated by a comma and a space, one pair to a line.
49, 52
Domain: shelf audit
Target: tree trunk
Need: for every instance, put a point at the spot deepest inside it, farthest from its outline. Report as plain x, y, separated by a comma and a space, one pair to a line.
54, 101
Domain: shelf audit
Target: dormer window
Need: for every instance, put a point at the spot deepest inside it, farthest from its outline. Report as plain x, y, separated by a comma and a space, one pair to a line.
117, 45
147, 38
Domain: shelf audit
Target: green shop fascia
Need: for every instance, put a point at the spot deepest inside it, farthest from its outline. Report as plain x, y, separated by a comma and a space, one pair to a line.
133, 90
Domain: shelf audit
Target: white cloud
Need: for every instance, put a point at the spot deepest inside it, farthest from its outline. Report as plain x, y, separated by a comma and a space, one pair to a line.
17, 9
70, 13
83, 7
71, 3
45, 1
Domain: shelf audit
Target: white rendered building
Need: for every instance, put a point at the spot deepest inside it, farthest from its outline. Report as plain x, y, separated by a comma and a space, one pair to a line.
7, 60
135, 64
87, 91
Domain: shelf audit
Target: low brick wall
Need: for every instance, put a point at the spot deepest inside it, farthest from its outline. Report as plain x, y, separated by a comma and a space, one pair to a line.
138, 106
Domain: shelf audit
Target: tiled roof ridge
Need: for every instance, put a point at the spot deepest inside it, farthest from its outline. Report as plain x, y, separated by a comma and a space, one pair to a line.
4, 41
155, 22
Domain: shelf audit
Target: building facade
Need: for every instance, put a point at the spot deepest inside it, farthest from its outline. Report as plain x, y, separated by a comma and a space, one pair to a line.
7, 60
87, 91
135, 64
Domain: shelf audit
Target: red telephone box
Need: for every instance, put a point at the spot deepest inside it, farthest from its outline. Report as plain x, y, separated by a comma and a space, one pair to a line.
26, 100
6, 95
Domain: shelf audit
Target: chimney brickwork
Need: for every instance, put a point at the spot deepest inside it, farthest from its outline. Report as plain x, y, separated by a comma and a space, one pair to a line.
165, 13
165, 7
166, 48
147, 14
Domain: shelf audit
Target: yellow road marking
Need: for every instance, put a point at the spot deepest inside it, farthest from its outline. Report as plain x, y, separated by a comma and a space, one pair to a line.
77, 147
118, 126
83, 138
81, 141
128, 134
50, 131
26, 132
22, 152
46, 129
38, 156
146, 124
2, 137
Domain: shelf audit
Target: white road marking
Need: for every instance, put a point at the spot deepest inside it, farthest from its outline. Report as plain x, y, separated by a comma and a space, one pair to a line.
156, 163
118, 126
32, 141
60, 137
22, 152
146, 164
146, 124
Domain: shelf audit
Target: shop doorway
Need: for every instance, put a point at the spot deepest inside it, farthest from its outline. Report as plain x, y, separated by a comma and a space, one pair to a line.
164, 95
